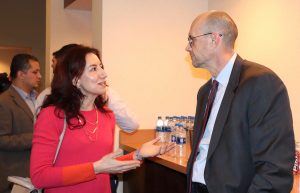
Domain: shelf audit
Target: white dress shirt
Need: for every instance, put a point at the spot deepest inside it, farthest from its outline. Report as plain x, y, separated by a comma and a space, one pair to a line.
30, 98
222, 78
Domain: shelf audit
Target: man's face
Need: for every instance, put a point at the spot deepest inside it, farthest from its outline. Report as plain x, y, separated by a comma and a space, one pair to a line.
32, 77
198, 45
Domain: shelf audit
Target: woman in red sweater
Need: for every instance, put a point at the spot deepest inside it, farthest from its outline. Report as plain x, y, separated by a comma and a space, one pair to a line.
84, 161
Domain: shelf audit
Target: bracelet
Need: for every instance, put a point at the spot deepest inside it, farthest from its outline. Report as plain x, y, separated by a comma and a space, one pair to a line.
137, 155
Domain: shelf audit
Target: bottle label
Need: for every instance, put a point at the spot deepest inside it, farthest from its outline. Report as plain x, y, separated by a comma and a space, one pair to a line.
173, 138
180, 140
159, 128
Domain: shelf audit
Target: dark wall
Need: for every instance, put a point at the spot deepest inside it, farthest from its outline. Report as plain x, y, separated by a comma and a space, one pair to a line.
23, 24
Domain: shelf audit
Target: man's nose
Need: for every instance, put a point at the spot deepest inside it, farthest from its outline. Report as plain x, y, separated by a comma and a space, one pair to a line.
39, 75
188, 48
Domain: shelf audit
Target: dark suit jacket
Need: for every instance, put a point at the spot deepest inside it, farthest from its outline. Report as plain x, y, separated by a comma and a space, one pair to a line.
16, 127
252, 147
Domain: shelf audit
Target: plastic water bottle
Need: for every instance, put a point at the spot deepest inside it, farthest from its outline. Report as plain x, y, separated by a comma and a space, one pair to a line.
167, 129
173, 138
183, 120
190, 128
180, 141
159, 128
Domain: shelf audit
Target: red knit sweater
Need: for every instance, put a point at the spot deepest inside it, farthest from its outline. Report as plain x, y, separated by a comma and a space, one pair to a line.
73, 170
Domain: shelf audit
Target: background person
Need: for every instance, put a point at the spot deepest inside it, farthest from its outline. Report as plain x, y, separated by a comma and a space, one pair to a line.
4, 82
16, 118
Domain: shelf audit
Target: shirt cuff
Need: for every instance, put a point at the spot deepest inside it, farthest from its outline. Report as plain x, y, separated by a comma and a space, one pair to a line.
78, 173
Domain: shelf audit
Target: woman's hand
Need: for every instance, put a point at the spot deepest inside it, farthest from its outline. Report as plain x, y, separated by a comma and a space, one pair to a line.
150, 149
108, 164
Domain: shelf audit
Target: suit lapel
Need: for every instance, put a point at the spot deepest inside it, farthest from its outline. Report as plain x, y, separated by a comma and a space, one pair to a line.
201, 102
225, 106
20, 102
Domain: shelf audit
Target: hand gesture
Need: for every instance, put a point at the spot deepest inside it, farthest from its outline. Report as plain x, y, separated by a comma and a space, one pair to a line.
108, 164
150, 149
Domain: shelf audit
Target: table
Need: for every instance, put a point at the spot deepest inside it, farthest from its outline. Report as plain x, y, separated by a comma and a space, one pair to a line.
160, 174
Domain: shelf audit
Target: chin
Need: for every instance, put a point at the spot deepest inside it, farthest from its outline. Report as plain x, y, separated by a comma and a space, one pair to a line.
196, 65
100, 92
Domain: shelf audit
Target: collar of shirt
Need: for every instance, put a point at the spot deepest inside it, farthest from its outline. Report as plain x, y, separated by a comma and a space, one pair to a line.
224, 75
25, 95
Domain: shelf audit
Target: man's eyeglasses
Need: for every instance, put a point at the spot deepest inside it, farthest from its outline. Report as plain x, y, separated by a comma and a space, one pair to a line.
191, 38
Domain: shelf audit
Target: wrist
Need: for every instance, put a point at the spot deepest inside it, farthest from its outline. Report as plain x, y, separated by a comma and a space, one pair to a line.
97, 167
137, 155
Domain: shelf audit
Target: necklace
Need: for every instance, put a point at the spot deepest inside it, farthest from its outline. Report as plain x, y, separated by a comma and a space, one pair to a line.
91, 131
96, 122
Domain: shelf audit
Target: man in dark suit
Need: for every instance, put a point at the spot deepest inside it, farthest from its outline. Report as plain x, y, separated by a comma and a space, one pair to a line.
17, 111
247, 143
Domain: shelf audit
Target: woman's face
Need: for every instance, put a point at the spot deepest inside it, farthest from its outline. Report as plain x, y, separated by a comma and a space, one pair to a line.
93, 79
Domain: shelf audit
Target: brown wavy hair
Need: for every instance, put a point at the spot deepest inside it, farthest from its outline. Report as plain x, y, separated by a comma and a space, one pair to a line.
64, 95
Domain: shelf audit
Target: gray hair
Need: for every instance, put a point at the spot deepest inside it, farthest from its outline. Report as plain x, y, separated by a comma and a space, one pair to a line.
221, 22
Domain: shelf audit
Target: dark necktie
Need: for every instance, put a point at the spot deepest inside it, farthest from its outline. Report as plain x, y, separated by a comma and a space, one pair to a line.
208, 107
209, 104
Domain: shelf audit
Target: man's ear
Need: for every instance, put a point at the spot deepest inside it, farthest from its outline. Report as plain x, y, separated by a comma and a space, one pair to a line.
216, 38
21, 74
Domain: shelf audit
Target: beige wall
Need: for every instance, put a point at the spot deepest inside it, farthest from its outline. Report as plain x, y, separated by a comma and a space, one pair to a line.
143, 46
23, 26
65, 26
143, 53
269, 33
6, 55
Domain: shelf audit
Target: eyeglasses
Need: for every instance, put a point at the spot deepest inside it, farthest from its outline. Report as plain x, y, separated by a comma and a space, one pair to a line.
191, 38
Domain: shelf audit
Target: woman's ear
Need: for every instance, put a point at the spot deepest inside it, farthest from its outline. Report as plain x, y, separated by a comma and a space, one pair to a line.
76, 82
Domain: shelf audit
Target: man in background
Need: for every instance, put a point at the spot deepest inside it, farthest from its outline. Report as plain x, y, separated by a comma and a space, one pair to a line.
17, 114
4, 82
243, 132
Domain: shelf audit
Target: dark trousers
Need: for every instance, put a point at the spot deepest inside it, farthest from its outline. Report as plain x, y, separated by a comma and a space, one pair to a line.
114, 181
199, 188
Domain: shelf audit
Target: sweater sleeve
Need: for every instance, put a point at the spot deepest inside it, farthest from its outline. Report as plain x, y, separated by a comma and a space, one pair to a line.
128, 156
83, 172
43, 173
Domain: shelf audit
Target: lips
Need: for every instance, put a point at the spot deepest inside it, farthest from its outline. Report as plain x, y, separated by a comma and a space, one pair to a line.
103, 84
